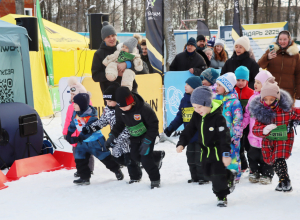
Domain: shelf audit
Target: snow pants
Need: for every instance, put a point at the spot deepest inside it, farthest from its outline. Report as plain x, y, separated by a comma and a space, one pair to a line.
281, 169
193, 153
90, 159
245, 146
133, 167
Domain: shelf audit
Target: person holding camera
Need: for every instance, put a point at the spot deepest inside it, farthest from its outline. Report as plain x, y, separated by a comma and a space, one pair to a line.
282, 59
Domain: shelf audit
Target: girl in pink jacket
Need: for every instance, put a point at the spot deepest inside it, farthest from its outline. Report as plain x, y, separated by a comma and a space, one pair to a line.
75, 88
255, 158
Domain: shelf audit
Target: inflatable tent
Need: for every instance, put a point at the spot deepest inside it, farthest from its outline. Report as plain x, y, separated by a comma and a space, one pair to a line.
15, 73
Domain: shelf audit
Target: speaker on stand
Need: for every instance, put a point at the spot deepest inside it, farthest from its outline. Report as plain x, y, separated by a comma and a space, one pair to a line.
95, 26
31, 25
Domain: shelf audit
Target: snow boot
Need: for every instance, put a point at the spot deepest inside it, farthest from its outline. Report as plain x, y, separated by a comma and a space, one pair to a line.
76, 174
254, 177
279, 187
265, 180
222, 202
133, 181
82, 181
202, 182
193, 181
119, 174
232, 181
286, 186
155, 184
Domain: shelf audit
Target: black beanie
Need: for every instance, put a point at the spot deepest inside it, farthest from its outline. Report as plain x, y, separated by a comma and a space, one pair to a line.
200, 37
124, 97
110, 92
82, 100
192, 42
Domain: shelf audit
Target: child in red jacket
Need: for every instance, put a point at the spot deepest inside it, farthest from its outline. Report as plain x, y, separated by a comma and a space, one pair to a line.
273, 112
244, 93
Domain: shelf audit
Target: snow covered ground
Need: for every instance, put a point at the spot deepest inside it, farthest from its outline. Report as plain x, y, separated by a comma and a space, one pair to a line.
52, 195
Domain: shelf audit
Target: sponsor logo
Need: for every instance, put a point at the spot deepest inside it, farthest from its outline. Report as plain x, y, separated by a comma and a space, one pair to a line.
137, 117
107, 96
211, 128
174, 97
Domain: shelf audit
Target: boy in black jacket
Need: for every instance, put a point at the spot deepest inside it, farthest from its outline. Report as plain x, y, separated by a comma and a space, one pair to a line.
142, 124
214, 139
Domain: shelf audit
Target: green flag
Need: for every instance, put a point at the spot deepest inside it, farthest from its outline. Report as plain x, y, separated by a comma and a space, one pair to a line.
46, 44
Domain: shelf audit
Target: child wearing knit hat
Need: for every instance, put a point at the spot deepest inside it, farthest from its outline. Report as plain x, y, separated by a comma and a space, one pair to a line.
257, 165
214, 139
273, 111
233, 113
183, 116
85, 115
209, 77
244, 93
130, 56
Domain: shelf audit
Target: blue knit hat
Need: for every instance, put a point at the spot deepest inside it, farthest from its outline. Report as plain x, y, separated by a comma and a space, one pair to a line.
192, 42
211, 42
210, 74
242, 72
194, 81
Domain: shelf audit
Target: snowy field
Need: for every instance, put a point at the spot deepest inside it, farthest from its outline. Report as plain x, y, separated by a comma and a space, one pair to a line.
52, 195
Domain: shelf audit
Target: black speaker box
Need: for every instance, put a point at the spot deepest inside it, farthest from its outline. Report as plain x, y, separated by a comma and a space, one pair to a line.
95, 26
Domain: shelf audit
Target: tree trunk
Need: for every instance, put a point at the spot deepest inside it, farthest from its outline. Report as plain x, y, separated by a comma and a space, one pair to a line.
125, 8
169, 34
296, 24
288, 15
278, 11
247, 12
19, 7
255, 8
132, 11
205, 10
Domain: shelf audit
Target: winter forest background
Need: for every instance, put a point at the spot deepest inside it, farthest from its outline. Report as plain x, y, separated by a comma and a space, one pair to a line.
129, 15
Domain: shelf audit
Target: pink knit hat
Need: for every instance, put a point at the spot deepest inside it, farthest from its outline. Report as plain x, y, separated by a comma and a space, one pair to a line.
270, 88
263, 75
75, 86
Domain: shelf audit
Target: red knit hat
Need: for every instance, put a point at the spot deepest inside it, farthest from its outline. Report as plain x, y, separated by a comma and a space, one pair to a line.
124, 97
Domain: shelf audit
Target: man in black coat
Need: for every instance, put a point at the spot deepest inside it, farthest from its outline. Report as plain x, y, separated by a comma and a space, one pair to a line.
108, 47
145, 57
189, 60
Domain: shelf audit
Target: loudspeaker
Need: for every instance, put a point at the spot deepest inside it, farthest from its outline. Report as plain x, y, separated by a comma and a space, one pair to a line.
31, 25
95, 26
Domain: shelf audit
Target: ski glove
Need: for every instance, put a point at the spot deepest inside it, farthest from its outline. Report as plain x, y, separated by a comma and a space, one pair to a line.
168, 131
109, 143
145, 147
269, 128
86, 130
81, 138
71, 140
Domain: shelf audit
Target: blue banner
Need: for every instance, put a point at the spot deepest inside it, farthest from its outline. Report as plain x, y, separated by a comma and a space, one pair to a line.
174, 82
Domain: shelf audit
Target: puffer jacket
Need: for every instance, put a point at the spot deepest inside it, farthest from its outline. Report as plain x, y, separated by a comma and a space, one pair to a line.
281, 115
217, 64
247, 119
285, 68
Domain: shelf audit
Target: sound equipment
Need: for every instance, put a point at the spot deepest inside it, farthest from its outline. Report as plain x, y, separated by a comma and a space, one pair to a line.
95, 26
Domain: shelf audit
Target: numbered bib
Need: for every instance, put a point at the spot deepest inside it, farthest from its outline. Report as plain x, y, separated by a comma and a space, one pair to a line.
187, 114
278, 134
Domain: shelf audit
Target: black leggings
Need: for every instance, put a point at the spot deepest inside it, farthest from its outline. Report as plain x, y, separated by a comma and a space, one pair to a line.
281, 169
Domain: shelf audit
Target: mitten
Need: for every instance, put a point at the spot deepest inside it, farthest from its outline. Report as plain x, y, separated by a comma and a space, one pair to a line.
138, 64
269, 128
109, 143
145, 147
71, 140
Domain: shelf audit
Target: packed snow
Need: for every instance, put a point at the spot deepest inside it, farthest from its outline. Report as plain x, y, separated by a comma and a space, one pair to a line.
52, 195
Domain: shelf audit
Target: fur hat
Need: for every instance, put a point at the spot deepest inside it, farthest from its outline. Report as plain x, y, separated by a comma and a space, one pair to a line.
220, 42
202, 96
244, 41
138, 37
270, 88
242, 72
75, 86
192, 42
131, 43
263, 75
210, 74
194, 82
228, 81
107, 30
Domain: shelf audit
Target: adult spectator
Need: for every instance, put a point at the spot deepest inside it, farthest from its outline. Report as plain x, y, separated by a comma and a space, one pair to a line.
284, 63
139, 39
145, 57
201, 43
189, 60
219, 56
241, 57
108, 47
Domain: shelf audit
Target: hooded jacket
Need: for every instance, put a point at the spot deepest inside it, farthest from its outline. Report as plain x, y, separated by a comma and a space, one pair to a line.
285, 68
282, 114
141, 121
214, 136
244, 94
242, 60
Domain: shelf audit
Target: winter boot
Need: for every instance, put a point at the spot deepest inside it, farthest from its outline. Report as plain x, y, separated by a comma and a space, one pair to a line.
232, 181
119, 174
76, 174
155, 184
286, 186
193, 181
82, 181
254, 177
160, 161
222, 202
202, 182
133, 181
279, 186
265, 180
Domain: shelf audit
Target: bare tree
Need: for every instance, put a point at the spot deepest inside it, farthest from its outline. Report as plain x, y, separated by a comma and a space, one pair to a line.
255, 11
125, 14
288, 15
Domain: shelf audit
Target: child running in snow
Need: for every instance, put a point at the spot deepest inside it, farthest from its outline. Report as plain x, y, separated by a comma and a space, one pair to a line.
142, 123
214, 139
84, 114
121, 148
244, 93
184, 116
209, 77
273, 111
255, 158
233, 113
75, 88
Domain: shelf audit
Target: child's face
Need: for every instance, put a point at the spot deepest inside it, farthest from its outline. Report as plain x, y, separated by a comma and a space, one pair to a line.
208, 54
269, 99
239, 49
126, 108
188, 89
257, 85
220, 89
201, 110
125, 48
241, 83
206, 83
111, 103
76, 107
